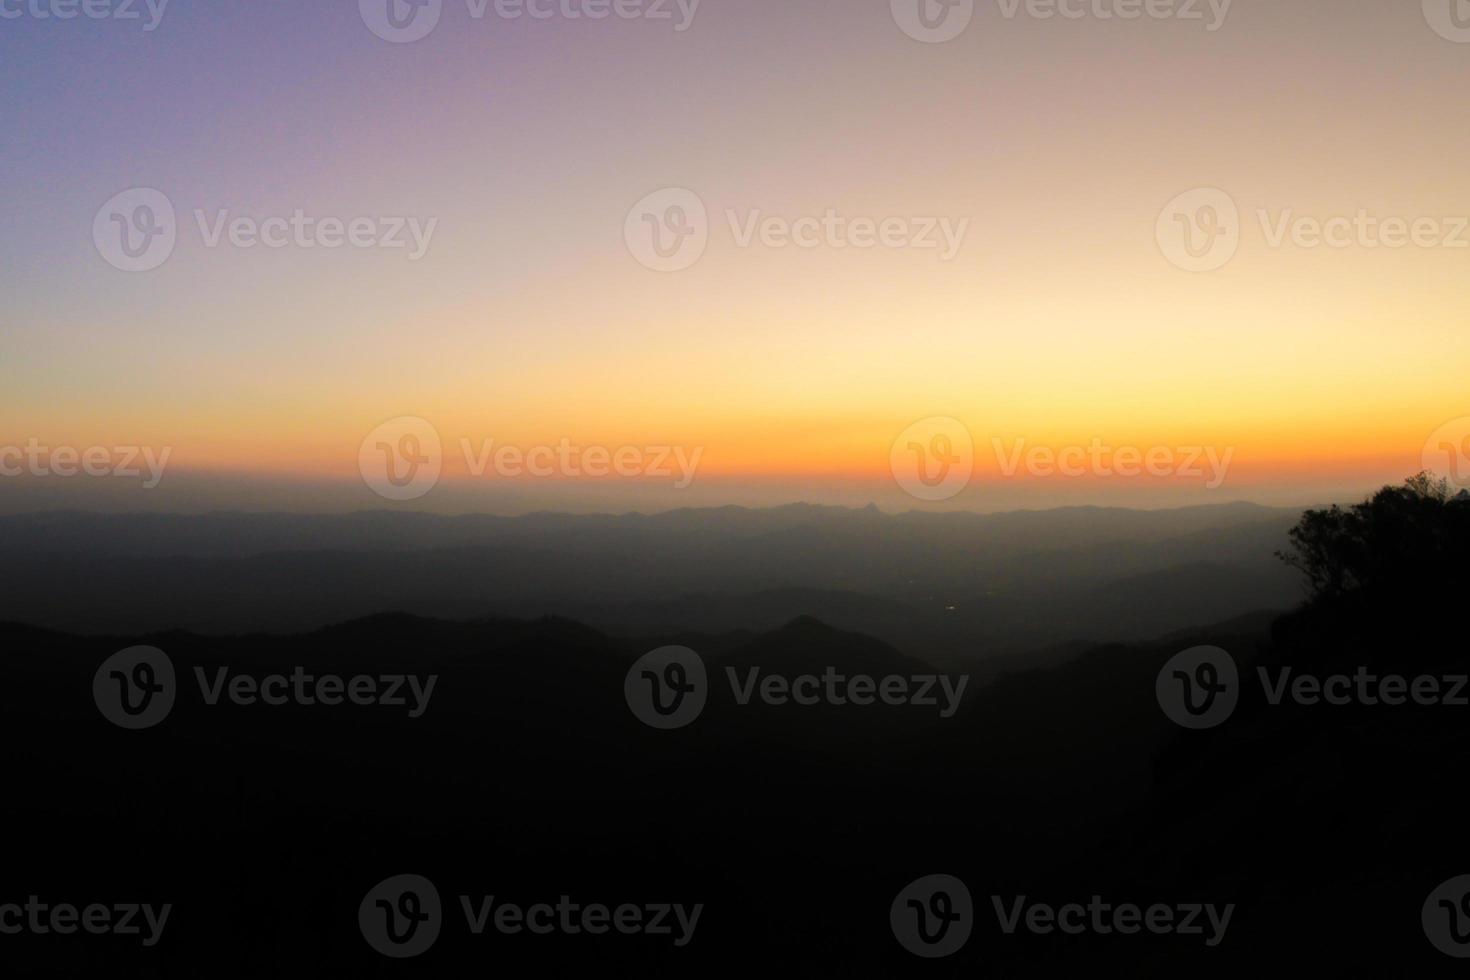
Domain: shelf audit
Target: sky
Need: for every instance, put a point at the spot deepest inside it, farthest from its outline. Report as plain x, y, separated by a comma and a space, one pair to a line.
915, 270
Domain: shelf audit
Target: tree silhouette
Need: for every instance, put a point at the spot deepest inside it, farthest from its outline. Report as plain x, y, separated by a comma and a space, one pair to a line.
1411, 536
1385, 580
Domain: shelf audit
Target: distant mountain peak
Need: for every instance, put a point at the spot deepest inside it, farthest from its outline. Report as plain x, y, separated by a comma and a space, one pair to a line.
807, 625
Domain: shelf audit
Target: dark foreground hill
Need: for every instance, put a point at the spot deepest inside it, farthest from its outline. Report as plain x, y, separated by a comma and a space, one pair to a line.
528, 777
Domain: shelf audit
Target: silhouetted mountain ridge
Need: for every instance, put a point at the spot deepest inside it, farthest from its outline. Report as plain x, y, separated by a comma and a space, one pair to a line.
964, 587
